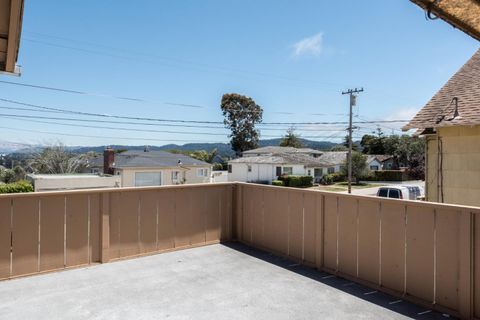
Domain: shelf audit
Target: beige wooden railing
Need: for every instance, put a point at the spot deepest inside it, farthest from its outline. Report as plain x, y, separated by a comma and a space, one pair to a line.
425, 252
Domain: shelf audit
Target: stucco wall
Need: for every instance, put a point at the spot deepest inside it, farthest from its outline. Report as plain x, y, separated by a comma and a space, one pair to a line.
190, 175
458, 164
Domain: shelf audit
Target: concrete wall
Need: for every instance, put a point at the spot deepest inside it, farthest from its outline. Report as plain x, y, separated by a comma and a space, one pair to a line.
454, 157
188, 173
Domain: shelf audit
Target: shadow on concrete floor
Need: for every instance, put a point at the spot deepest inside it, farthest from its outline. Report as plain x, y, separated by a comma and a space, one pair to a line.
384, 300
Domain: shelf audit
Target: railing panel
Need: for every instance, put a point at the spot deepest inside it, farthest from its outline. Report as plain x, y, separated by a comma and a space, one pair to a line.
310, 226
183, 213
477, 265
166, 219
52, 224
25, 236
257, 218
420, 252
347, 235
198, 216
213, 199
248, 205
447, 226
94, 234
5, 237
393, 246
296, 224
125, 217
273, 227
330, 232
148, 221
226, 213
78, 228
369, 240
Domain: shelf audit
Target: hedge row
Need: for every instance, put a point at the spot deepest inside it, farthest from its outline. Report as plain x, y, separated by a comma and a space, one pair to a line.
296, 181
387, 175
16, 187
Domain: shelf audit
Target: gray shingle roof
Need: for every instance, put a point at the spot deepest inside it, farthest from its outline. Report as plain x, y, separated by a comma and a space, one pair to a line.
150, 159
276, 149
285, 158
440, 110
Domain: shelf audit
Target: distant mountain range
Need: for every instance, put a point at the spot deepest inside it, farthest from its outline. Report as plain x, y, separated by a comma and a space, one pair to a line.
223, 149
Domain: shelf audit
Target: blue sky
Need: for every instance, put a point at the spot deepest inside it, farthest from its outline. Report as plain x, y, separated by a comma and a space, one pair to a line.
292, 57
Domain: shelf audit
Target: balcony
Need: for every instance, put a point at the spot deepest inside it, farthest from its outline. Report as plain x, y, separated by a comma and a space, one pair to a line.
297, 254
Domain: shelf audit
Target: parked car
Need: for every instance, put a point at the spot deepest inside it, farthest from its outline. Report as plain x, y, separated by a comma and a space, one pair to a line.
401, 192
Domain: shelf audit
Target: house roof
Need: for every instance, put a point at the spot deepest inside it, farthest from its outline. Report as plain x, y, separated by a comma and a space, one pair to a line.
378, 157
284, 158
11, 14
277, 149
150, 159
456, 103
462, 14
334, 157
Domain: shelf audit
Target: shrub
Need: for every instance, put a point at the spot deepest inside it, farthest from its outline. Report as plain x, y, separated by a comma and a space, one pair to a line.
296, 181
277, 183
16, 187
387, 175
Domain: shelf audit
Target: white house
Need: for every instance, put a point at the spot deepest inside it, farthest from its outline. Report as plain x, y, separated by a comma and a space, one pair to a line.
53, 182
269, 166
376, 162
151, 168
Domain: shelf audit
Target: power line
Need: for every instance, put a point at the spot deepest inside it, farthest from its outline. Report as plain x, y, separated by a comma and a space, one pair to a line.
104, 137
168, 59
185, 121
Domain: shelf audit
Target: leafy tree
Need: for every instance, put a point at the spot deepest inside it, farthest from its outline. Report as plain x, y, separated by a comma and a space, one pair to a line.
291, 139
56, 159
8, 176
241, 114
372, 144
339, 147
346, 144
19, 173
359, 166
204, 155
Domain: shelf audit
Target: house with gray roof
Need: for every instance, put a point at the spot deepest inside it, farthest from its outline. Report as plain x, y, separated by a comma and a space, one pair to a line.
150, 168
266, 165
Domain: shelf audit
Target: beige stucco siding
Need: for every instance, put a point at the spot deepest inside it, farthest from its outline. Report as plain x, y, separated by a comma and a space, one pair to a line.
458, 163
188, 173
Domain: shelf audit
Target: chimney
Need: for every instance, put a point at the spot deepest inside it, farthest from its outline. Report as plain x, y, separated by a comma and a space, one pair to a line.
108, 160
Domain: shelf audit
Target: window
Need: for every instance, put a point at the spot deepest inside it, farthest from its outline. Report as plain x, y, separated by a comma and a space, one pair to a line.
278, 171
394, 193
203, 172
309, 172
331, 170
148, 179
95, 171
287, 170
249, 168
175, 175
383, 192
229, 168
375, 168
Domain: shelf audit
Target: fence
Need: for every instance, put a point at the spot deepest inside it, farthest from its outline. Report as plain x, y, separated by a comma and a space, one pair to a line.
55, 230
425, 252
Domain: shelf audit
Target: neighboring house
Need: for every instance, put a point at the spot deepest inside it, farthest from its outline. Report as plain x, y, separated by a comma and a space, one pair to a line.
52, 182
376, 162
450, 121
266, 168
11, 16
270, 150
151, 168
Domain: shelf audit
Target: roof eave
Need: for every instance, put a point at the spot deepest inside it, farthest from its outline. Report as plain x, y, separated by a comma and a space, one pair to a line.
461, 14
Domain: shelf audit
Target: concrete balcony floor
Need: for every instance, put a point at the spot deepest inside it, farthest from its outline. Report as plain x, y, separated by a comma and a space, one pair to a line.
214, 282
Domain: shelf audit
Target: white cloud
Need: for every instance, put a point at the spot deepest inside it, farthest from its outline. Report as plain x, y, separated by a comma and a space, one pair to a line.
403, 114
309, 46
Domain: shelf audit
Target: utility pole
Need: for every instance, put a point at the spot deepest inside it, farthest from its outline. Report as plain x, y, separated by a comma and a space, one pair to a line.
353, 98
